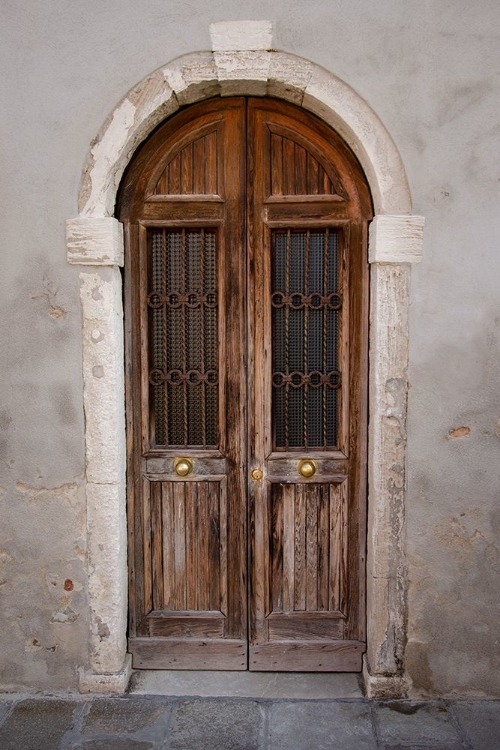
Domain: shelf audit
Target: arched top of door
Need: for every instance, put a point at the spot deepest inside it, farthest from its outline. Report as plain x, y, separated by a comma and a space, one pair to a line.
197, 77
305, 160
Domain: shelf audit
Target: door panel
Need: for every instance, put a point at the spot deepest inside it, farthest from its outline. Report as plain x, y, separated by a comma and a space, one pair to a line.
246, 315
188, 546
183, 204
308, 404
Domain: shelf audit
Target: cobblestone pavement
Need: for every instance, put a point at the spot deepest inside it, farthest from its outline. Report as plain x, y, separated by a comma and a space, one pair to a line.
153, 722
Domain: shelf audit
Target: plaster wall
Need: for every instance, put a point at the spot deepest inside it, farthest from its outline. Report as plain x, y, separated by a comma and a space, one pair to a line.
430, 70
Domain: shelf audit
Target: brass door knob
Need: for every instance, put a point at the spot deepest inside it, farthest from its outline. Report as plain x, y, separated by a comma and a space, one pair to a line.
307, 468
183, 467
257, 474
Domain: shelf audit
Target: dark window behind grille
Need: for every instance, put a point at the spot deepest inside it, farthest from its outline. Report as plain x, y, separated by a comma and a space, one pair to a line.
306, 305
182, 303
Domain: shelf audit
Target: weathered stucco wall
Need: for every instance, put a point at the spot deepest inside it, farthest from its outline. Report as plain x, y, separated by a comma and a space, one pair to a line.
432, 75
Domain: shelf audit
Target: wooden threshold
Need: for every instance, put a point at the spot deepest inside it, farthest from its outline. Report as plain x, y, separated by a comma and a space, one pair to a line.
303, 656
188, 653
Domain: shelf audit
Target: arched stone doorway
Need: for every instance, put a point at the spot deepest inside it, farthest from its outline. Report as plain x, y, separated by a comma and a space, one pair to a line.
242, 63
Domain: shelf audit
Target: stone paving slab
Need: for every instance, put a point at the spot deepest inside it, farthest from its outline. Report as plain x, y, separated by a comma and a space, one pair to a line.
123, 715
107, 744
321, 726
216, 725
480, 722
36, 724
165, 723
414, 722
5, 707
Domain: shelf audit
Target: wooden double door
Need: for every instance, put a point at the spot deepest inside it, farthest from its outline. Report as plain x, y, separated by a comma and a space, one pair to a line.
246, 330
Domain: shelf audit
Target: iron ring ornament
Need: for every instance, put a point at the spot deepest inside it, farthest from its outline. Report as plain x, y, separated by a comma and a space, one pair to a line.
177, 377
314, 379
175, 300
314, 301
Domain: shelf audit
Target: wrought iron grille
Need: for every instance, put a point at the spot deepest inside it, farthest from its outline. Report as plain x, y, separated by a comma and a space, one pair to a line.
182, 308
306, 304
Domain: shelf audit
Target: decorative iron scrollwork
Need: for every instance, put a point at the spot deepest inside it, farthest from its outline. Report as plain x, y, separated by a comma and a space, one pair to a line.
306, 302
156, 300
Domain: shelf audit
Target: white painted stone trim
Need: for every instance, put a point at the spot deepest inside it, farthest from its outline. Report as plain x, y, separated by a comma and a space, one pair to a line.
386, 578
395, 242
103, 378
105, 458
396, 239
95, 242
230, 36
244, 72
114, 684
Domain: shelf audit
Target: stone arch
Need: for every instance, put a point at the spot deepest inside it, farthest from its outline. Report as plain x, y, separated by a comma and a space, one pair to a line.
242, 63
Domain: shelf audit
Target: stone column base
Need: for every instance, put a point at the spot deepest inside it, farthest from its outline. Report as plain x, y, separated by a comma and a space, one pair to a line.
117, 683
384, 685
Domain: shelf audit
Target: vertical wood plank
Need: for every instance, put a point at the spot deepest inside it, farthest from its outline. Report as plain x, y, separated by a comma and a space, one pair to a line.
156, 545
300, 548
187, 169
288, 546
148, 590
180, 544
211, 164
276, 552
323, 547
312, 175
199, 166
288, 167
335, 545
204, 571
325, 184
161, 186
312, 544
223, 546
191, 544
276, 164
343, 582
300, 170
174, 175
168, 545
213, 545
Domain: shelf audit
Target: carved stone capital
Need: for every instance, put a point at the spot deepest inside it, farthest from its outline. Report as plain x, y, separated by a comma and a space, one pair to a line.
95, 241
396, 238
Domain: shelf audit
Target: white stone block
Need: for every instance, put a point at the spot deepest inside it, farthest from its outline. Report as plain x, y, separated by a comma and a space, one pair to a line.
111, 684
228, 36
253, 66
383, 686
95, 242
103, 375
107, 565
288, 76
396, 239
192, 77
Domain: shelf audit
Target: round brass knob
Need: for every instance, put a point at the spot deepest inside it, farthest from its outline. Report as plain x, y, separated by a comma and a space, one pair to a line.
257, 474
307, 468
183, 467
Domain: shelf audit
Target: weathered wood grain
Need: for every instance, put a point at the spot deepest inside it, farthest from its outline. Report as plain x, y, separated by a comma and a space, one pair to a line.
244, 168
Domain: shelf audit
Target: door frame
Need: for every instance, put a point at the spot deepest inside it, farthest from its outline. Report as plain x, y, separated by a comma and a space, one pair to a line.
95, 240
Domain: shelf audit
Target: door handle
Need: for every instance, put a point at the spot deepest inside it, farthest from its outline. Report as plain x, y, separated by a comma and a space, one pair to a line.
183, 466
307, 467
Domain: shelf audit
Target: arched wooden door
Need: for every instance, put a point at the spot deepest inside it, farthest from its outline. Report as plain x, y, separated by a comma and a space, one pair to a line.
246, 325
